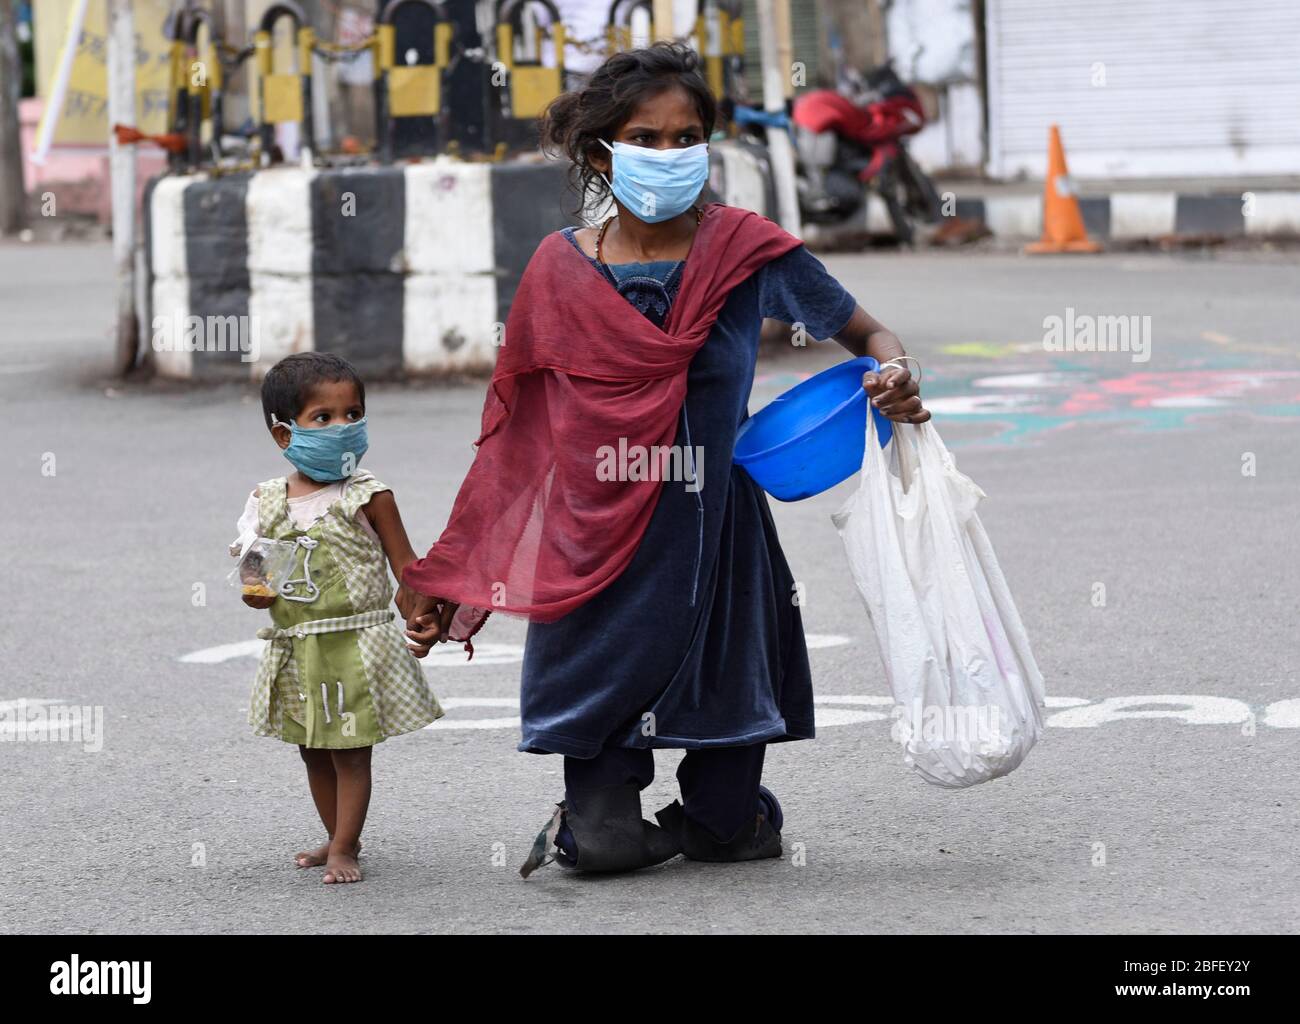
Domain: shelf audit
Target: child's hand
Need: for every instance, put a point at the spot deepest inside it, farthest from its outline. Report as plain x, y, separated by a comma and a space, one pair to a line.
418, 649
430, 620
256, 601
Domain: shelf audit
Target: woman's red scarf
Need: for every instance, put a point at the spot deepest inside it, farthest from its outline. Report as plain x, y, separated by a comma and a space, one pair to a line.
535, 531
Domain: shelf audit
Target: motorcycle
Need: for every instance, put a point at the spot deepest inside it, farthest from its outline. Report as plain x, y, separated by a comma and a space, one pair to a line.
849, 141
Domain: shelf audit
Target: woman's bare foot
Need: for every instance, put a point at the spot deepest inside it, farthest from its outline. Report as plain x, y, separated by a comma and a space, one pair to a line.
343, 867
315, 858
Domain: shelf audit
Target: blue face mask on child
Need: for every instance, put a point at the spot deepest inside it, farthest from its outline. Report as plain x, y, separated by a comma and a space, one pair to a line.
326, 454
657, 184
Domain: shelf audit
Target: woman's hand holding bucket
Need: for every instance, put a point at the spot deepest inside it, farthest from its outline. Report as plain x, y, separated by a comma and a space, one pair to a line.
892, 390
896, 393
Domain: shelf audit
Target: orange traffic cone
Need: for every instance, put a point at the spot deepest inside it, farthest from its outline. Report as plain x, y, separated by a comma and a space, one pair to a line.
1063, 229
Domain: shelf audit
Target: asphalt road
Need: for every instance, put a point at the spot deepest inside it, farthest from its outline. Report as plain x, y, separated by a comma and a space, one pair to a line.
1098, 470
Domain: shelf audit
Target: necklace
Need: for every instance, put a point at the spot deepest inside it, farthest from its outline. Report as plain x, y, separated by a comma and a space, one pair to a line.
600, 238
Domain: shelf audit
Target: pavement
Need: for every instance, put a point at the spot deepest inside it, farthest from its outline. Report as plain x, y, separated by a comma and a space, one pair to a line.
1161, 798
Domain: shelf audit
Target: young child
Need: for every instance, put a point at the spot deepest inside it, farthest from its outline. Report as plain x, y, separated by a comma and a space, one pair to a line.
337, 675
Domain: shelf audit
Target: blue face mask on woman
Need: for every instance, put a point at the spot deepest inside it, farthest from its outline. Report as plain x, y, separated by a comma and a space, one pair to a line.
657, 184
325, 454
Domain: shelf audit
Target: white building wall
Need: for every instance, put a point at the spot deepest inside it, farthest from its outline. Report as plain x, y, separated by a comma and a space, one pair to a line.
1145, 88
933, 42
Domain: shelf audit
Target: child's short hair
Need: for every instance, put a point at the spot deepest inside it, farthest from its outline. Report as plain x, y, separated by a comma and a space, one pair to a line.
287, 384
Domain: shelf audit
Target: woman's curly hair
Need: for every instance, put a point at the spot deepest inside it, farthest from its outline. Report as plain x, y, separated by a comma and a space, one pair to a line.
575, 122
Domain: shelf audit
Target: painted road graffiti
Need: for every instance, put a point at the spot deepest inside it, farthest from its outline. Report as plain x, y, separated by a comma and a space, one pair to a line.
1024, 406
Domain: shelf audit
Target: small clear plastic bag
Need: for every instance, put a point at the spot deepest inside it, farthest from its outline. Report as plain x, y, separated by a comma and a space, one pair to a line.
264, 567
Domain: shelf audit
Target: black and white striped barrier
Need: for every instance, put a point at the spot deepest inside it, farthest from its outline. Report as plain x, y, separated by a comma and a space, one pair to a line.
402, 270
1133, 216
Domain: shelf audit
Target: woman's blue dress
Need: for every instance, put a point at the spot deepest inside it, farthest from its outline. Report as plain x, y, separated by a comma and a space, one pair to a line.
699, 643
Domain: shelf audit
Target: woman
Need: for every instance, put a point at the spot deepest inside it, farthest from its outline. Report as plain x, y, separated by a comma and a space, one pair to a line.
661, 610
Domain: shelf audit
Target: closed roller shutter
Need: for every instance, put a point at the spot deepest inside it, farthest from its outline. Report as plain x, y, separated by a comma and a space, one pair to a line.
1145, 88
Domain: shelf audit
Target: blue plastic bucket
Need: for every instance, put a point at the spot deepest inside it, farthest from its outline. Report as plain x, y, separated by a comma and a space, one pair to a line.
813, 436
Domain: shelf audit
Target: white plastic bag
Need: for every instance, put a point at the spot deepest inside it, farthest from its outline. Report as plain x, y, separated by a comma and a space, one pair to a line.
966, 688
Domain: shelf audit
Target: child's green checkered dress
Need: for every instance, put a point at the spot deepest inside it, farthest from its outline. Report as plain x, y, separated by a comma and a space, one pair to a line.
336, 671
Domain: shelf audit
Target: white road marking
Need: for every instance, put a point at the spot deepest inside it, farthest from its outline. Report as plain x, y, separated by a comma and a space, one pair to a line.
447, 724
832, 709
828, 717
479, 702
450, 655
817, 641
844, 698
1185, 708
447, 655
1283, 714
838, 709
215, 655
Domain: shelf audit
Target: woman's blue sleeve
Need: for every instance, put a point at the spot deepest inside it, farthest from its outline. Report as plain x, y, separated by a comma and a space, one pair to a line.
796, 288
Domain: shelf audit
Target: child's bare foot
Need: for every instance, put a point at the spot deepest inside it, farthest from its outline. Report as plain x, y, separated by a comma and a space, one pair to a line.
315, 858
312, 858
342, 867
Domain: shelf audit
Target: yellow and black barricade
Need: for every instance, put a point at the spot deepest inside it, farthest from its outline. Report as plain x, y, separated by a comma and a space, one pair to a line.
196, 81
530, 84
718, 30
284, 96
720, 40
618, 30
408, 90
